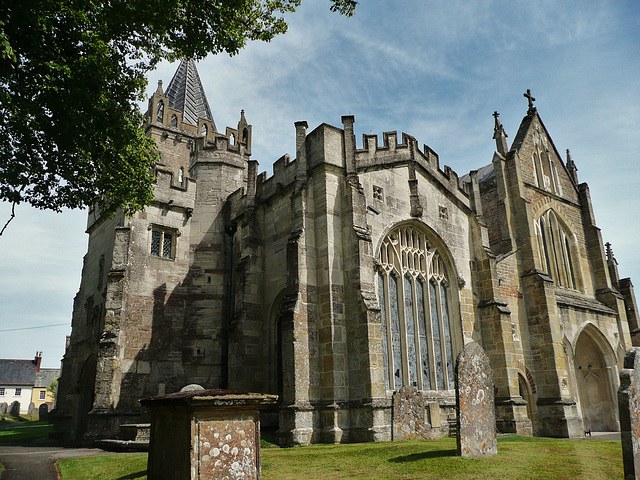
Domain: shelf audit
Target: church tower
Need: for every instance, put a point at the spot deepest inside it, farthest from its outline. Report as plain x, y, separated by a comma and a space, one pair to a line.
152, 311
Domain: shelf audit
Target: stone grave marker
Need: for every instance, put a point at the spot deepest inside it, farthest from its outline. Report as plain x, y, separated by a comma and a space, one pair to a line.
14, 410
203, 434
413, 416
475, 403
32, 409
629, 409
4, 408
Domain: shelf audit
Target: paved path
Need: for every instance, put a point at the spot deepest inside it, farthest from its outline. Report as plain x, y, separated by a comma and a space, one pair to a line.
30, 463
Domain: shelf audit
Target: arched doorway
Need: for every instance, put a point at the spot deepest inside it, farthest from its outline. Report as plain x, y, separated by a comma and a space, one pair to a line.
86, 390
527, 396
270, 417
593, 367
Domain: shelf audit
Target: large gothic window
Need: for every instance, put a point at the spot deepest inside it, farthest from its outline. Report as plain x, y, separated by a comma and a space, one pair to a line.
555, 248
415, 300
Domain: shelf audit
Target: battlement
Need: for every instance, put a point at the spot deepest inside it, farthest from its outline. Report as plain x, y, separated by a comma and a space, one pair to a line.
325, 146
374, 155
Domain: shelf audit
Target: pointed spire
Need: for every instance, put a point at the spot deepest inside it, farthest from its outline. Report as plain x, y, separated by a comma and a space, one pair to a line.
571, 167
159, 89
499, 135
186, 94
529, 97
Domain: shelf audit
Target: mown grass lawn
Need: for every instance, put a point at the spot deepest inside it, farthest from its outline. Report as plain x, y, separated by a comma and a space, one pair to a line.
24, 432
518, 458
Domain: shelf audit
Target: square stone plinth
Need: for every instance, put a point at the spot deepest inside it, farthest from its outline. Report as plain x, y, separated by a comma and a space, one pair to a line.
206, 434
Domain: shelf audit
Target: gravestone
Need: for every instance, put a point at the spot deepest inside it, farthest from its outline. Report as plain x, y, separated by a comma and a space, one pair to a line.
629, 409
413, 417
32, 409
14, 410
4, 408
475, 403
43, 412
203, 434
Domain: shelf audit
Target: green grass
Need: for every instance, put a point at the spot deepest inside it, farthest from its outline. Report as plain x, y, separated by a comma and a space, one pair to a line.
24, 432
108, 467
523, 458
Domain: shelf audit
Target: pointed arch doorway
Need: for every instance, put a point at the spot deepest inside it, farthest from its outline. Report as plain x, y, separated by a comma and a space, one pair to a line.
594, 366
86, 390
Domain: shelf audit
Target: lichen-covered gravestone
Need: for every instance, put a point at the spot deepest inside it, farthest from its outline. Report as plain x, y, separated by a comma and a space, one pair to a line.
4, 408
413, 417
629, 408
202, 434
475, 403
14, 410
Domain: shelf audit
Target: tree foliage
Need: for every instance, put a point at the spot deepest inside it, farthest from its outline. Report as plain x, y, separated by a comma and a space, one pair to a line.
71, 72
53, 387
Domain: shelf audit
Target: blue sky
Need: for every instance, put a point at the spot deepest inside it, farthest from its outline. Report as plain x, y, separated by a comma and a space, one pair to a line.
436, 70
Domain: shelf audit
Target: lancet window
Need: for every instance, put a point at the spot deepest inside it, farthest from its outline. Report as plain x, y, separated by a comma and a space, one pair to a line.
545, 171
160, 111
555, 249
415, 299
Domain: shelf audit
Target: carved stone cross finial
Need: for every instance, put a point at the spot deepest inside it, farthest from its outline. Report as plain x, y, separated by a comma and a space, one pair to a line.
530, 98
497, 125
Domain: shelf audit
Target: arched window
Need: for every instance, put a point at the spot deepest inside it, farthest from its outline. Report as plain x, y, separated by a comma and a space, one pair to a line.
557, 186
556, 250
537, 170
245, 136
174, 120
203, 130
160, 111
415, 299
181, 176
545, 171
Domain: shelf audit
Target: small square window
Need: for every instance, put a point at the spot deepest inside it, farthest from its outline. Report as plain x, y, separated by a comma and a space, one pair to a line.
43, 395
18, 392
378, 193
162, 243
444, 214
1, 391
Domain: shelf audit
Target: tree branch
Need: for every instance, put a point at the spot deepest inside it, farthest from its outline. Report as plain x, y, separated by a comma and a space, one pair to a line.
13, 215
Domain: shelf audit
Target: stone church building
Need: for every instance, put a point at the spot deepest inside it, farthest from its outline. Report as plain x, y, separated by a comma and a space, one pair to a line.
353, 274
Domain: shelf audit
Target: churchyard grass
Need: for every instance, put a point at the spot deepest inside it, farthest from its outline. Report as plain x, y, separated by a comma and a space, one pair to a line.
523, 458
24, 432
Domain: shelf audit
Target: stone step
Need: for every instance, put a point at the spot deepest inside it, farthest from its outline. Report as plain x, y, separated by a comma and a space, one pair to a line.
138, 432
123, 445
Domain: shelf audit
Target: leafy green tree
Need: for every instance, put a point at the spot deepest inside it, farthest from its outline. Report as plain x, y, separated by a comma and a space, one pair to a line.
53, 387
71, 72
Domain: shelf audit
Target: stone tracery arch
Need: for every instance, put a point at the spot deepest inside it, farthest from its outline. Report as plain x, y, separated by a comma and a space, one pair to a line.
417, 289
557, 250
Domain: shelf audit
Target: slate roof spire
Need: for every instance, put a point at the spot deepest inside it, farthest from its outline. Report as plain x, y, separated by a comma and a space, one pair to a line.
186, 94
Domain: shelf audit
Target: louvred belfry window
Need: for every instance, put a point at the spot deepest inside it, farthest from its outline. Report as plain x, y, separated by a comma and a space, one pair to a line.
415, 300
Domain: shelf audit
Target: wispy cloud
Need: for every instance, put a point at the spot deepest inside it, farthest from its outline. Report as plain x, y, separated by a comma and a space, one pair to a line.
434, 69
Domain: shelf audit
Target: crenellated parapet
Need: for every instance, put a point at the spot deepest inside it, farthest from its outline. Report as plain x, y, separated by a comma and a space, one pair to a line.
391, 153
325, 149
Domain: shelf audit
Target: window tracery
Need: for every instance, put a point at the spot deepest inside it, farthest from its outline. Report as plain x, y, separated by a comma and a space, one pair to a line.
415, 298
555, 250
